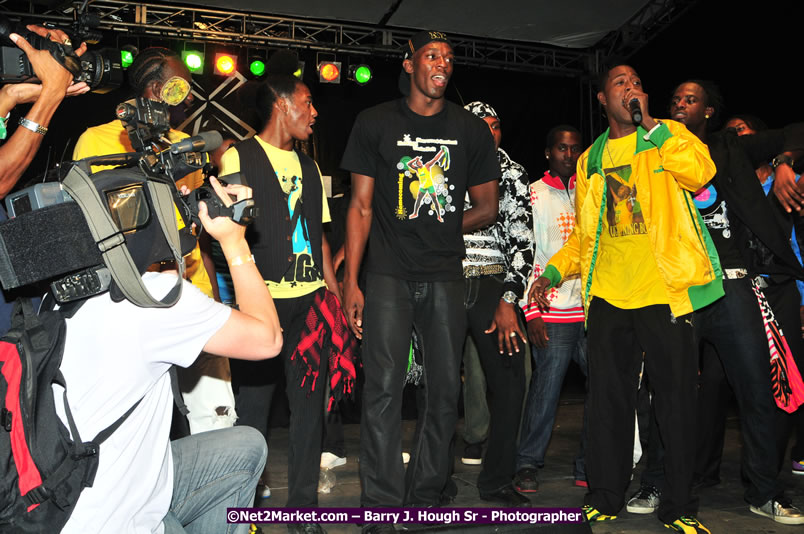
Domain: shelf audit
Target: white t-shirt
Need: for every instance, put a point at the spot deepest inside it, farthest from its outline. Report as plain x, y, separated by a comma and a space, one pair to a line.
114, 355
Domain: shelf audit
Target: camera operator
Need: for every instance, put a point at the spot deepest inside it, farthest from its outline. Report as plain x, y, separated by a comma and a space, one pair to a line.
17, 153
117, 353
159, 74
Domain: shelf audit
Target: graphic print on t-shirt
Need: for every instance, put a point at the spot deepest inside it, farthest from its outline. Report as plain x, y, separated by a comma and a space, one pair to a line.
426, 179
715, 215
623, 211
302, 269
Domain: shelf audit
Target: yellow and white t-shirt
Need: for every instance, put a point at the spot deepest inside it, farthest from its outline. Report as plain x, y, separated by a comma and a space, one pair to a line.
302, 277
112, 138
626, 274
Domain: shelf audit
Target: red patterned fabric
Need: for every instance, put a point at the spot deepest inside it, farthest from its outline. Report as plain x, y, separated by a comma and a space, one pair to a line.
326, 333
787, 386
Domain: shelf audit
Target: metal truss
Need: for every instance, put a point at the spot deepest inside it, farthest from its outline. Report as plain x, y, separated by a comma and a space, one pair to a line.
173, 22
645, 25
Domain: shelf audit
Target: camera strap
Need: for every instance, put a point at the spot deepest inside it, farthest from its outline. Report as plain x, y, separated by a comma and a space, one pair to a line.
109, 238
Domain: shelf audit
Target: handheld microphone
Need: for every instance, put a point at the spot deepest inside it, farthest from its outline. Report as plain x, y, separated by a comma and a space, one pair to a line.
636, 111
203, 142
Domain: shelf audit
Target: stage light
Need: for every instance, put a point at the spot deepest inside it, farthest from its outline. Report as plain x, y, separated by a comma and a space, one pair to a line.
193, 60
126, 58
329, 72
360, 74
299, 73
225, 64
257, 67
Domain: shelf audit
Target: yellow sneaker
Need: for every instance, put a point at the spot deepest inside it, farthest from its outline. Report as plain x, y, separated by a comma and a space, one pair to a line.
593, 515
688, 525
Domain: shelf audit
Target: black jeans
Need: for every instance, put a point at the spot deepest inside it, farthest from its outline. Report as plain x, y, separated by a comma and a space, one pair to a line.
505, 382
616, 339
733, 325
393, 309
254, 384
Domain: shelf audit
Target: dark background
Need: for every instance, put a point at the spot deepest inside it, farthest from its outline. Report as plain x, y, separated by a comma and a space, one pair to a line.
753, 54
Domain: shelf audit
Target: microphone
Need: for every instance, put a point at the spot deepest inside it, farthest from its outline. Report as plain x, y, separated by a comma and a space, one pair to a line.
203, 142
636, 111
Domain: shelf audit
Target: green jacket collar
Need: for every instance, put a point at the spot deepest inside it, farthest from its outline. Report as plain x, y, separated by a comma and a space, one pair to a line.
594, 163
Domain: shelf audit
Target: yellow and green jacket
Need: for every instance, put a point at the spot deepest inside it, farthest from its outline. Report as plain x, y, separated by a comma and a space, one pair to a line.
678, 164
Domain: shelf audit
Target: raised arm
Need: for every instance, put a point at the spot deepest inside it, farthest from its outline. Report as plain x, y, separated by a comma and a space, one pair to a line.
684, 156
17, 153
253, 332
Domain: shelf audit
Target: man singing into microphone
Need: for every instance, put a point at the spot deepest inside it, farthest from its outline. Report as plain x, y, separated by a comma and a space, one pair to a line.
646, 262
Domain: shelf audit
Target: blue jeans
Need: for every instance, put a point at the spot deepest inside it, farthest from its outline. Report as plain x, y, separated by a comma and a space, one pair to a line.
567, 343
213, 471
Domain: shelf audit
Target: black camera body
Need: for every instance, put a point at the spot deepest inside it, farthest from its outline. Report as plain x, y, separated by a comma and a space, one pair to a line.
49, 237
100, 69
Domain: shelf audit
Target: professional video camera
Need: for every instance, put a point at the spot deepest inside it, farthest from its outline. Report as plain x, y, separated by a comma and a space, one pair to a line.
100, 69
76, 227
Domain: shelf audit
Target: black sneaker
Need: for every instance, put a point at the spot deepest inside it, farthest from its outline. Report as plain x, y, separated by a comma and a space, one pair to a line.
525, 480
473, 454
507, 497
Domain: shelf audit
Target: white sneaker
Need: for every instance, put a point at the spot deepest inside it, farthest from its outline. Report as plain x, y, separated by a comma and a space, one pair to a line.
780, 510
263, 492
644, 501
329, 460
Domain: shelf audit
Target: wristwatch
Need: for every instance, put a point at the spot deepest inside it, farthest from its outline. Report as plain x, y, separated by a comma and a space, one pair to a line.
781, 159
509, 297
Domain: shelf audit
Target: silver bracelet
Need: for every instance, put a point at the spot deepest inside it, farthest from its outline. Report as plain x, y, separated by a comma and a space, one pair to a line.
33, 126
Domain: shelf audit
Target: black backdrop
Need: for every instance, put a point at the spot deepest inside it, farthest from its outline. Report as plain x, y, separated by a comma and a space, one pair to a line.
755, 55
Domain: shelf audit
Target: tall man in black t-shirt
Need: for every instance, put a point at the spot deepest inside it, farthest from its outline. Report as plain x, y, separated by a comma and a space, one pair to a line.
414, 275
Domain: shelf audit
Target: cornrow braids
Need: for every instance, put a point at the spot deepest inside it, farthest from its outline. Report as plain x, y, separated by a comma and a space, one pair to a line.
148, 66
274, 87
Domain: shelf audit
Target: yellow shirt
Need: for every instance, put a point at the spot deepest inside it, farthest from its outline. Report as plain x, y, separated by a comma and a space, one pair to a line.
626, 274
112, 138
301, 278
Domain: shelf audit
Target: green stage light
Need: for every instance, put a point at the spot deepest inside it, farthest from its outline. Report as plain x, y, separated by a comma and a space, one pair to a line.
194, 61
126, 58
360, 74
257, 67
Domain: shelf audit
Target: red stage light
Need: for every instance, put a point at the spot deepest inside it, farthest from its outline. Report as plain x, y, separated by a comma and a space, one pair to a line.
329, 72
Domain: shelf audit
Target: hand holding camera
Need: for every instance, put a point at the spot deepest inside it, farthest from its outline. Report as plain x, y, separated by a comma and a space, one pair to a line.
224, 228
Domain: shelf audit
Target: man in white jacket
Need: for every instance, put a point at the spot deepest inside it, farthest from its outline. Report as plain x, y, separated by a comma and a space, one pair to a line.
556, 335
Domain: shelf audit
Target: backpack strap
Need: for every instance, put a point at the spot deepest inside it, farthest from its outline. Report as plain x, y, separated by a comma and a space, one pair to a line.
178, 400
